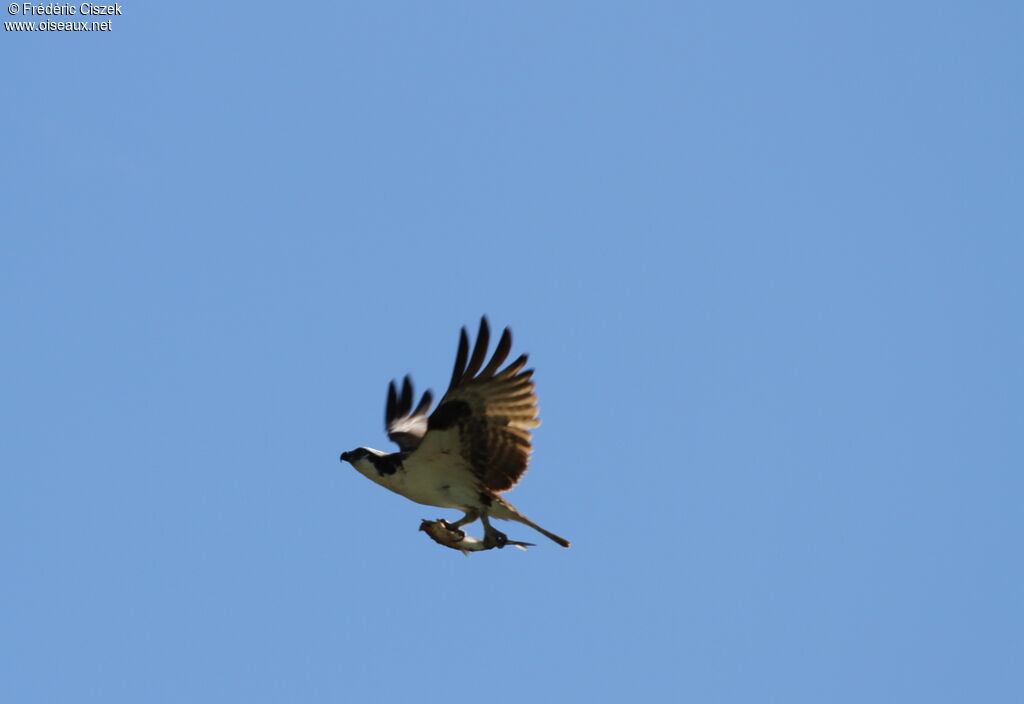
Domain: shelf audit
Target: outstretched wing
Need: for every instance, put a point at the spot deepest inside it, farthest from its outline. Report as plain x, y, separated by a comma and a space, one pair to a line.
486, 415
405, 425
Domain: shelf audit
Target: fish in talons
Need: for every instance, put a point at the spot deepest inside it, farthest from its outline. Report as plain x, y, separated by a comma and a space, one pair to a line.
444, 533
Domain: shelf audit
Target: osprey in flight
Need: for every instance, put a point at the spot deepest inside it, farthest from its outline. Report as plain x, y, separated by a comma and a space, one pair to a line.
474, 446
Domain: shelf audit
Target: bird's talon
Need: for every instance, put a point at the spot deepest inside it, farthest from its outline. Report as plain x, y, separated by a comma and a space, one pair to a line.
495, 539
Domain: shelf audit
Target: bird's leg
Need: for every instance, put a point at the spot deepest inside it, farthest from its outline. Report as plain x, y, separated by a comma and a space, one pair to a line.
493, 538
471, 515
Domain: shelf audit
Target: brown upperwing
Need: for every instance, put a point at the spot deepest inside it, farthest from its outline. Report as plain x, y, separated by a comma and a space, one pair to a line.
489, 412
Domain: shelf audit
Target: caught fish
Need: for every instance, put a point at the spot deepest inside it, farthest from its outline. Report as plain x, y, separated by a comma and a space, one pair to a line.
444, 533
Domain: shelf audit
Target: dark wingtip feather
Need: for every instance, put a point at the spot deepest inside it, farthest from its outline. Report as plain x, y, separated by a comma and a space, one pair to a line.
483, 340
405, 402
425, 402
500, 353
460, 359
389, 410
515, 366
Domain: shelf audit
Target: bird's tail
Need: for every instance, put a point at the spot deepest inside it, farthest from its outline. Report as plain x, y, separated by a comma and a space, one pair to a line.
558, 539
506, 511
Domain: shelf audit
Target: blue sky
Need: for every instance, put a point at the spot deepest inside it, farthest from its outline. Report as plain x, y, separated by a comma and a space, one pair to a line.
766, 259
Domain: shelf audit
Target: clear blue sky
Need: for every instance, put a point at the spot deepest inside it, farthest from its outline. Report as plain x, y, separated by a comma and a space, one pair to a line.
766, 258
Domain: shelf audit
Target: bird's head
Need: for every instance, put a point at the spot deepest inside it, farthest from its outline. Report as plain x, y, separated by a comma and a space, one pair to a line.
362, 459
353, 455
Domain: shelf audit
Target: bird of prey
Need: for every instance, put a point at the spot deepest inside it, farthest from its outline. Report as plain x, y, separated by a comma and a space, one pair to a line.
471, 448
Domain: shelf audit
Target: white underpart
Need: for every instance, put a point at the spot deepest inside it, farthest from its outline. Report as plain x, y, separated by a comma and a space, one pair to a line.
442, 480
